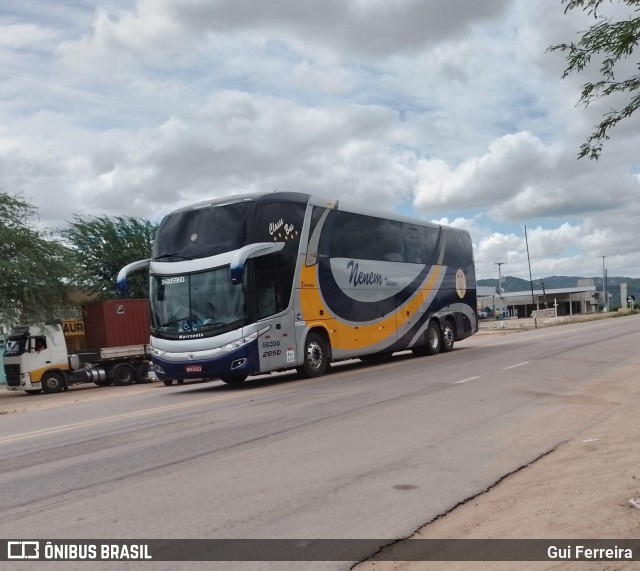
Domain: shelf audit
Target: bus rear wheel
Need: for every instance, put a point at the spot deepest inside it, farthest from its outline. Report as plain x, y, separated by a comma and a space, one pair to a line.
448, 336
433, 341
316, 356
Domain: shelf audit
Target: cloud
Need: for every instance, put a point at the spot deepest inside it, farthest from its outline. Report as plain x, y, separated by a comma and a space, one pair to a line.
441, 109
520, 178
160, 29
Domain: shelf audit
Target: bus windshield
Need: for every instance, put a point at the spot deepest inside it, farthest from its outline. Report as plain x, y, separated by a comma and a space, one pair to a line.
191, 234
203, 303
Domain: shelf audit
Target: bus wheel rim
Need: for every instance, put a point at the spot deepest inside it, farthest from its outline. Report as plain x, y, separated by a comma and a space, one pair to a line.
314, 355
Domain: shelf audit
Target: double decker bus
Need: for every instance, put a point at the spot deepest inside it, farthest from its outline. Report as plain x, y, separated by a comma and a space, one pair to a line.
267, 282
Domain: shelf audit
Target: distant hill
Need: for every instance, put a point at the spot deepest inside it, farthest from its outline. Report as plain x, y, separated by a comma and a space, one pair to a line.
510, 283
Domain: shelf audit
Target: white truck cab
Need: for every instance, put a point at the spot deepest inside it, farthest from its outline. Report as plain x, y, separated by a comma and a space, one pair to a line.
36, 359
32, 353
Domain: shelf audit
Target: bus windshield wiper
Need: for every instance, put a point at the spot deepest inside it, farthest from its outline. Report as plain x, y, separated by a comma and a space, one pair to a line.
172, 322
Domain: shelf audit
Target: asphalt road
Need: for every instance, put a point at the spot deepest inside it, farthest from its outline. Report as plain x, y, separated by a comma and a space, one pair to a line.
369, 451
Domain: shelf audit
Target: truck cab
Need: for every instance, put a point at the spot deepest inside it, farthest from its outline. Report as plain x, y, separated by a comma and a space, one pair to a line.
31, 354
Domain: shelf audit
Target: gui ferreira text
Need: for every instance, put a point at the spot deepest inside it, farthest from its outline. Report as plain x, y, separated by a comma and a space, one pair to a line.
580, 552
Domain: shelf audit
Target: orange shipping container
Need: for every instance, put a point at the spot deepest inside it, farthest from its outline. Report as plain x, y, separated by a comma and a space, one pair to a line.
116, 323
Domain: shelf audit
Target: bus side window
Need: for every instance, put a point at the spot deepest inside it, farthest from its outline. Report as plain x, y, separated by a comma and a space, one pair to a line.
389, 244
431, 242
458, 249
414, 246
273, 283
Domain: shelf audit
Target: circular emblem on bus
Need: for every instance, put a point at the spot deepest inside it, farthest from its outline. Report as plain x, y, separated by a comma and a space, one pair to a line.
461, 284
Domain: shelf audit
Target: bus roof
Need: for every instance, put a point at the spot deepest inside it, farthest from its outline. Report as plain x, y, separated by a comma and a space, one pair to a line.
314, 200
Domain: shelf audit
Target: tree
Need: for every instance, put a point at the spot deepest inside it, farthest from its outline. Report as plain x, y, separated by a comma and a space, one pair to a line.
612, 42
102, 246
33, 266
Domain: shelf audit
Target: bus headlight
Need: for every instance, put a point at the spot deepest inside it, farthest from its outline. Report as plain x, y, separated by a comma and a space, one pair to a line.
240, 342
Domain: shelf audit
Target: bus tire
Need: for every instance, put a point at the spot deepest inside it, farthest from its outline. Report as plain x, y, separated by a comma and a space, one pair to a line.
432, 341
448, 336
316, 356
234, 379
52, 382
124, 375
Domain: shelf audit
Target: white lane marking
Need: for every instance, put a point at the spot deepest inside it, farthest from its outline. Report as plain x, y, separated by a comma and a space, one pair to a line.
466, 380
516, 365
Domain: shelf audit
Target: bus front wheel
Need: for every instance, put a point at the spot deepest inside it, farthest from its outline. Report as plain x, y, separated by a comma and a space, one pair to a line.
316, 356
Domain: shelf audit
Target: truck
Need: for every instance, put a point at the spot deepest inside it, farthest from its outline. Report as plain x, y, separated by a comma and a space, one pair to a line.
109, 345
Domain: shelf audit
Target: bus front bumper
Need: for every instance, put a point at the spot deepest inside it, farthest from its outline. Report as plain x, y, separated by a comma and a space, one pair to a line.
234, 363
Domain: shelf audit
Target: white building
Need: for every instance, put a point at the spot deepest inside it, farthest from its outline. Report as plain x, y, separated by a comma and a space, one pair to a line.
567, 301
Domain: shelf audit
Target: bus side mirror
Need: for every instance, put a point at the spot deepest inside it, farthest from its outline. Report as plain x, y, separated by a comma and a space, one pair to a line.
251, 251
121, 281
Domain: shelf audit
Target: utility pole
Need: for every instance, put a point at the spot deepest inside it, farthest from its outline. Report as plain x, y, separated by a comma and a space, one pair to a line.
605, 301
544, 293
500, 264
533, 299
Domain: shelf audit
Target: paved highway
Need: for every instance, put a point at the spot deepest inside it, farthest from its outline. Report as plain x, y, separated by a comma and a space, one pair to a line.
369, 451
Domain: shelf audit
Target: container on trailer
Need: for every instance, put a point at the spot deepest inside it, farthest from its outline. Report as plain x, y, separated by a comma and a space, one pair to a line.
116, 323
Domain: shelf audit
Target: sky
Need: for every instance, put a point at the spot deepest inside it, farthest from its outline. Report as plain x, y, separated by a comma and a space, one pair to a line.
450, 111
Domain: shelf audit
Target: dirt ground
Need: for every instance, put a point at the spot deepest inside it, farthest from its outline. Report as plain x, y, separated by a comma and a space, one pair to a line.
580, 490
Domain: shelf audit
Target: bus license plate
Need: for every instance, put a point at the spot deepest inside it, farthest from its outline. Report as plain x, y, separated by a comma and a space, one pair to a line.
193, 368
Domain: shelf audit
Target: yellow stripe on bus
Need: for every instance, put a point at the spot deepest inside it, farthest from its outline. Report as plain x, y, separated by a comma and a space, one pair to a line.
354, 337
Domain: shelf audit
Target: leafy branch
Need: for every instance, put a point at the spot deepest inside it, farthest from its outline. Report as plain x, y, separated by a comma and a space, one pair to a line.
612, 42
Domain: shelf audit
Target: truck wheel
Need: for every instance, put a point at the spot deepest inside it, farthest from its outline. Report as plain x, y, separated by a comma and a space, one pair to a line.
124, 375
316, 356
234, 380
142, 373
52, 383
448, 336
